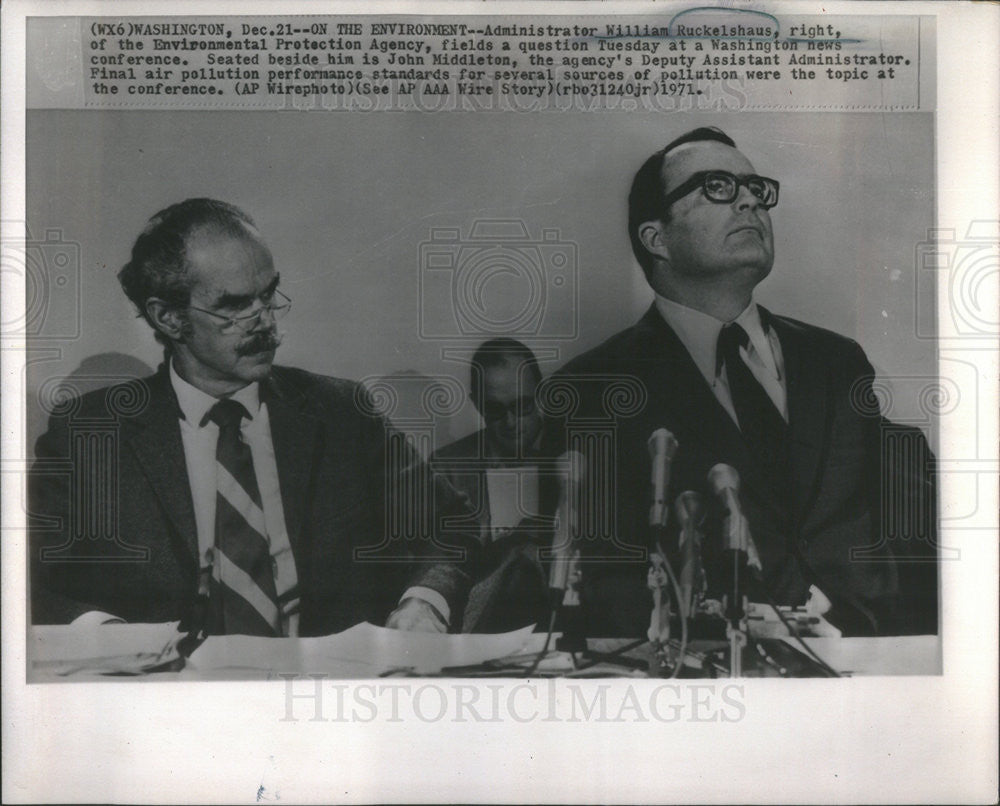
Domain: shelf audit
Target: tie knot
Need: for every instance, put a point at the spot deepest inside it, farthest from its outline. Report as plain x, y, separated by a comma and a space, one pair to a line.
731, 338
228, 413
735, 334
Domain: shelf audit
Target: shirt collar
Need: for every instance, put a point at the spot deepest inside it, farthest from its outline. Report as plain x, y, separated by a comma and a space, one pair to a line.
195, 404
760, 343
699, 333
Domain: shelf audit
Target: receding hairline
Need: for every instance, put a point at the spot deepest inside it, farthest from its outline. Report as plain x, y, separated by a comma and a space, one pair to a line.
200, 260
234, 230
683, 148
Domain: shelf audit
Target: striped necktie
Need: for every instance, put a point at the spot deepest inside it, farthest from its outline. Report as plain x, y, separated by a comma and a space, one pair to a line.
242, 589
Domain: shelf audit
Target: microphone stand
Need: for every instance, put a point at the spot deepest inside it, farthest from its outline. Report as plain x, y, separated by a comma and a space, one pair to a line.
735, 546
564, 574
735, 612
658, 581
565, 577
662, 448
574, 636
567, 612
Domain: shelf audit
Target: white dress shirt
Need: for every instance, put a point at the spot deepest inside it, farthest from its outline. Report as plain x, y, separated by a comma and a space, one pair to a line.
200, 437
699, 333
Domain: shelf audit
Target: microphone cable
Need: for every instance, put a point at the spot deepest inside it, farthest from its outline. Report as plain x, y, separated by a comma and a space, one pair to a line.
605, 657
826, 667
553, 611
682, 651
792, 631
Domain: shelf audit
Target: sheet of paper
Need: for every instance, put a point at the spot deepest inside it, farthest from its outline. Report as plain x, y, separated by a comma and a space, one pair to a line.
279, 656
362, 651
895, 655
62, 649
429, 652
513, 495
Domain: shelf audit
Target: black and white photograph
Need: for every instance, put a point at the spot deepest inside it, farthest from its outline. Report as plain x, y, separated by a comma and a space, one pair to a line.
500, 381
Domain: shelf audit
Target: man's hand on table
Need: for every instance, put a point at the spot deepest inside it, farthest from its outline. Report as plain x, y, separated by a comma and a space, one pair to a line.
416, 615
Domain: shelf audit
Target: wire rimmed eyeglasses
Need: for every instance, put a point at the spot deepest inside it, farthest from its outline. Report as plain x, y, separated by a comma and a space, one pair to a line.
277, 305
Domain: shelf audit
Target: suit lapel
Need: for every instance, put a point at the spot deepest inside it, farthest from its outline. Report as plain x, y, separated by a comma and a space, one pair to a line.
156, 442
806, 382
695, 408
297, 438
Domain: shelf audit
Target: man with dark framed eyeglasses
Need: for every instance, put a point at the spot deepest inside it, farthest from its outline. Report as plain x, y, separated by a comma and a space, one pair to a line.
242, 493
781, 401
505, 378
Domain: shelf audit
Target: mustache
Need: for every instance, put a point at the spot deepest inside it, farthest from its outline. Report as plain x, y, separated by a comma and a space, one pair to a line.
259, 343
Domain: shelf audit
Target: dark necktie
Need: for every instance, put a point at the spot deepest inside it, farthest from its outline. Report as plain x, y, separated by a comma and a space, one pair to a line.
764, 429
242, 591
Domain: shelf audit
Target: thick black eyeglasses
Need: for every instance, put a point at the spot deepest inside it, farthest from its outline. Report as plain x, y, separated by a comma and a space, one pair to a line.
723, 187
277, 304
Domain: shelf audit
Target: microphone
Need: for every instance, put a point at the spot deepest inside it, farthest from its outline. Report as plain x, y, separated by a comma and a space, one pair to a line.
566, 522
725, 482
662, 447
564, 573
738, 549
689, 512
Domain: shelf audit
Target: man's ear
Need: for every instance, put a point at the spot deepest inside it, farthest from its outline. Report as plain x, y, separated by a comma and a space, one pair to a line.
166, 318
652, 237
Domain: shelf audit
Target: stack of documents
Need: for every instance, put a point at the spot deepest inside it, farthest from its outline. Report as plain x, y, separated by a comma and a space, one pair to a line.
61, 650
362, 651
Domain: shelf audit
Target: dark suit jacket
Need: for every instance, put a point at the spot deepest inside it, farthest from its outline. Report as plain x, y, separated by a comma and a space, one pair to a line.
112, 521
509, 590
834, 536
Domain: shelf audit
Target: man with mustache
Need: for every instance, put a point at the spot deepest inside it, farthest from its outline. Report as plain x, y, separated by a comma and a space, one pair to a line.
788, 405
243, 495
